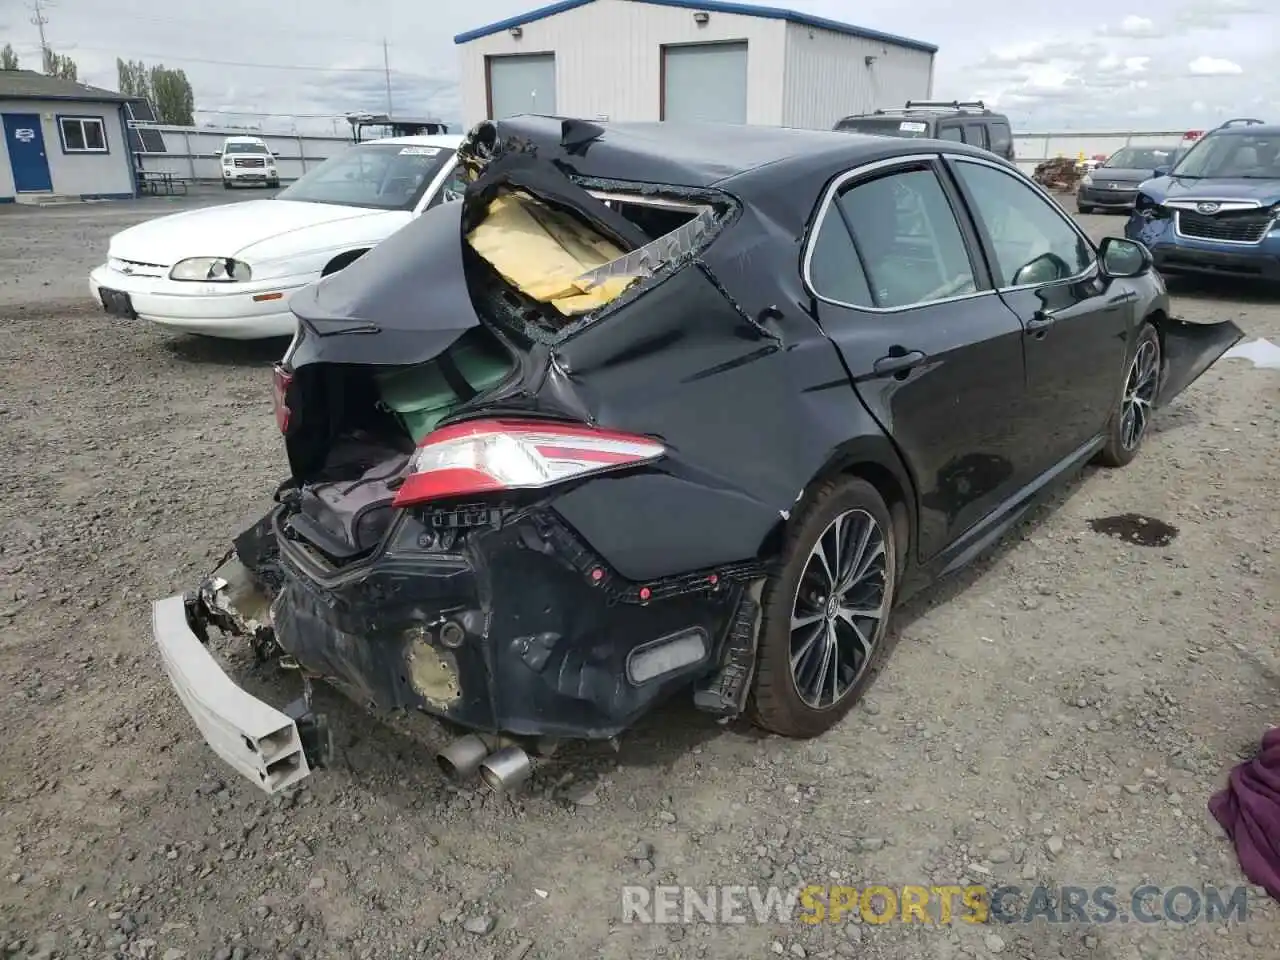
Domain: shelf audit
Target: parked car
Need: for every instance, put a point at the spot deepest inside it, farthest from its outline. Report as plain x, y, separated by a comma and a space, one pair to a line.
666, 410
959, 121
229, 271
247, 160
1113, 183
1217, 212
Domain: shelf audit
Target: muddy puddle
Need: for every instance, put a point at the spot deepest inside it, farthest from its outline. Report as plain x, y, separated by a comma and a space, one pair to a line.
1135, 528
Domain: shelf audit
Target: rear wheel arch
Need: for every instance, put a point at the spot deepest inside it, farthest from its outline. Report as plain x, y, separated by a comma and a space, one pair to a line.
342, 260
872, 460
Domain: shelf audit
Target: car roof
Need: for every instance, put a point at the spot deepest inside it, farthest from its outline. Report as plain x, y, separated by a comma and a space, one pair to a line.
704, 154
242, 139
450, 141
1252, 130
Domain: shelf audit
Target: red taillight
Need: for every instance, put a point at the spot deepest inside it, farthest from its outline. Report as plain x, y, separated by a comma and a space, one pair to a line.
483, 456
280, 380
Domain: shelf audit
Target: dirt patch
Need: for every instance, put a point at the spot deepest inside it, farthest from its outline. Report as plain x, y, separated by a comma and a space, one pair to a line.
1057, 715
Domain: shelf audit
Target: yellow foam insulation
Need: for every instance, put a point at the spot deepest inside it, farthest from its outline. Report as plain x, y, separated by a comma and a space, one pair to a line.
543, 253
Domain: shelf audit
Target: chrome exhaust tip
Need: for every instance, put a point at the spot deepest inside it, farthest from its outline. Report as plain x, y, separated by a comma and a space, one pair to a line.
462, 758
506, 769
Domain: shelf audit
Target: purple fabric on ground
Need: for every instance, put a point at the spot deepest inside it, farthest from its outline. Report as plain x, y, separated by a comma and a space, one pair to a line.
1249, 810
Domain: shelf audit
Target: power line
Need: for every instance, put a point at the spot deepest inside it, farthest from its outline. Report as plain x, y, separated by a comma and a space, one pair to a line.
293, 34
163, 57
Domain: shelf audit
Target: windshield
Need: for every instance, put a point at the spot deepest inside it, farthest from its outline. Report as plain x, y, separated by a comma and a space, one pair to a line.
384, 176
244, 148
884, 126
1244, 155
1142, 158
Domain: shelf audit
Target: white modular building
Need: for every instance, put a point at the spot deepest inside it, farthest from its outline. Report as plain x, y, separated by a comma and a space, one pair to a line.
638, 60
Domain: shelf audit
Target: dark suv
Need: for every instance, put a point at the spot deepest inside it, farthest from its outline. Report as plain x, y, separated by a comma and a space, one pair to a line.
962, 121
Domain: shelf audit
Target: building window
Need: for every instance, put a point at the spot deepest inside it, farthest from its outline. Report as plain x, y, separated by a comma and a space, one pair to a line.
83, 134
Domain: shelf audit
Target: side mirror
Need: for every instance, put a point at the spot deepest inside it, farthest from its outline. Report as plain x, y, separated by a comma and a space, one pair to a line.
1163, 170
1124, 258
217, 153
1045, 268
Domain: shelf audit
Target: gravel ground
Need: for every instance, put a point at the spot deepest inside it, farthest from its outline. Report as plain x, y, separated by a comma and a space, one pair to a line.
1057, 715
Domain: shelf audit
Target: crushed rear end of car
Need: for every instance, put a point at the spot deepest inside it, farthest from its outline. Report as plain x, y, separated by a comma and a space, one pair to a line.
462, 529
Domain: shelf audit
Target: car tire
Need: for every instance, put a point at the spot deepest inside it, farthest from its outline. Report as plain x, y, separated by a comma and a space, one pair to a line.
226, 184
273, 185
1083, 208
851, 508
1131, 419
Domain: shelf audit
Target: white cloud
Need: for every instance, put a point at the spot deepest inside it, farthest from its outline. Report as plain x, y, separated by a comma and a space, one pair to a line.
1215, 14
1133, 26
1214, 67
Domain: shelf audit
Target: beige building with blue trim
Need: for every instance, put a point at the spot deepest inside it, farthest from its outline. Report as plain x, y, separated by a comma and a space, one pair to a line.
62, 138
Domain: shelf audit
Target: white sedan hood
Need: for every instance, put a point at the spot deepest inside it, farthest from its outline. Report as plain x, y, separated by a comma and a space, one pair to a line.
224, 231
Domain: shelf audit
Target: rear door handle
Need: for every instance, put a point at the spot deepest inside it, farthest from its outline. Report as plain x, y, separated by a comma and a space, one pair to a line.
899, 363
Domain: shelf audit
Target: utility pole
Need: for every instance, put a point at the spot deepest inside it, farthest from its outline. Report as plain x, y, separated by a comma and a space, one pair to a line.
39, 20
386, 67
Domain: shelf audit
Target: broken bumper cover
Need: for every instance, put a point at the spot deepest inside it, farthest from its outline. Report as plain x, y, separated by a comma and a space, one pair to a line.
262, 743
519, 630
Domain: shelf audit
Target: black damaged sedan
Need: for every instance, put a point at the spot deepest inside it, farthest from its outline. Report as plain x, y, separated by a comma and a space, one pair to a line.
665, 411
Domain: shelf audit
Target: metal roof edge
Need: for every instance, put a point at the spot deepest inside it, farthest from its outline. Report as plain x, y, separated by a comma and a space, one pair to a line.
710, 6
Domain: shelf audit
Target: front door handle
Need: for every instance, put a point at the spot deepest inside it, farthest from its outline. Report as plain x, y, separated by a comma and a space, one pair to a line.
899, 364
1040, 322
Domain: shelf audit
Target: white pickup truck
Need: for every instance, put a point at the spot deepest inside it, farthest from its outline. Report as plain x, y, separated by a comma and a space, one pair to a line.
247, 160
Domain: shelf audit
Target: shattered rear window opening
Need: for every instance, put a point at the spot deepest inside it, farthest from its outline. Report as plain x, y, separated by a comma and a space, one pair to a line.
551, 255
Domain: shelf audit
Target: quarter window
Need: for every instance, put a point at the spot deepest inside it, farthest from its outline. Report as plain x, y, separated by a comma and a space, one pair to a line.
1033, 242
834, 268
908, 239
83, 134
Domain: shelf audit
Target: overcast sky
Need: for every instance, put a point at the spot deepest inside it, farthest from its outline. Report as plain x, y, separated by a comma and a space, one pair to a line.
1051, 64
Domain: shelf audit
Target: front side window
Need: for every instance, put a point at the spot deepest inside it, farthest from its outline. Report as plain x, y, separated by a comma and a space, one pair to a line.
83, 134
1033, 242
907, 239
452, 189
387, 176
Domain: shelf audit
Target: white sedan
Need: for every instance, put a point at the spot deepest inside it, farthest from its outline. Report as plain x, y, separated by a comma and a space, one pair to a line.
229, 271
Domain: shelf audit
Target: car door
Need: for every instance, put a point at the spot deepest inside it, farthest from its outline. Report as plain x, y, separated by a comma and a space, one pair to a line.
935, 355
1077, 324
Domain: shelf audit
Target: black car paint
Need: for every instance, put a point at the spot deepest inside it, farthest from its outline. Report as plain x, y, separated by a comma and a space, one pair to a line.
757, 388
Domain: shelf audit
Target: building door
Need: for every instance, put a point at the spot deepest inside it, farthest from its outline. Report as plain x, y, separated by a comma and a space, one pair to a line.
522, 84
25, 141
705, 82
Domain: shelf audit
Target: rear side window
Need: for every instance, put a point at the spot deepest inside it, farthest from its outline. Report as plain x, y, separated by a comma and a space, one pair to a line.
1001, 138
976, 134
908, 239
950, 132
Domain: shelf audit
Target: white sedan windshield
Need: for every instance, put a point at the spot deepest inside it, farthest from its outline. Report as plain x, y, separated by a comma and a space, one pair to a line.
386, 176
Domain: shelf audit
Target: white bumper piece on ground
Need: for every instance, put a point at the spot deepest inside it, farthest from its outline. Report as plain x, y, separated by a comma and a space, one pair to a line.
254, 737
